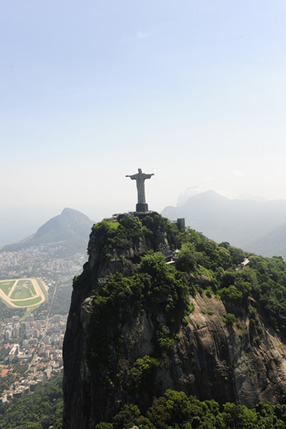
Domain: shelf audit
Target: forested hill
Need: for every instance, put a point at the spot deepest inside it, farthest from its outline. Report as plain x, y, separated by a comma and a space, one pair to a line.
70, 229
204, 324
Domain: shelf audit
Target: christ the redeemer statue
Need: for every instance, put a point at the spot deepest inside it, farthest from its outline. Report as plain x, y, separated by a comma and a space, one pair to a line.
140, 178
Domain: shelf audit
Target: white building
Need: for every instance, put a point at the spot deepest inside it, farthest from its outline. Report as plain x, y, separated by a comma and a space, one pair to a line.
14, 352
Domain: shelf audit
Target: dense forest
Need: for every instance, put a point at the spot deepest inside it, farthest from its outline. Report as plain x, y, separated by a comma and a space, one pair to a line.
42, 409
176, 410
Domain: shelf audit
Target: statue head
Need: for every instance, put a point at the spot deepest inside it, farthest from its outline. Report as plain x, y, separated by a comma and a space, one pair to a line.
139, 171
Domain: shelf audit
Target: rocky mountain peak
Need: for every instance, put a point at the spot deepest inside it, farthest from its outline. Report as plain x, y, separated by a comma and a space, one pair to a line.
144, 320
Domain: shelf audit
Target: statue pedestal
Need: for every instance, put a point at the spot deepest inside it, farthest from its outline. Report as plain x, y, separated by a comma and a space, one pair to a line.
141, 207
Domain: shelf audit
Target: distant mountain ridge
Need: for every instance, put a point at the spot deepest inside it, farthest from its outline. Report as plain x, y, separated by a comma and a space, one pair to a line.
240, 222
272, 244
71, 228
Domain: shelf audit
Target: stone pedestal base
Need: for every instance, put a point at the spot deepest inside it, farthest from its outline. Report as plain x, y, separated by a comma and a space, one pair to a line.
141, 207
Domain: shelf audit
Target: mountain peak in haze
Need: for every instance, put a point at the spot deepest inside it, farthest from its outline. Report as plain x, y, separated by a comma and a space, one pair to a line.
69, 219
74, 214
234, 220
71, 228
194, 192
210, 195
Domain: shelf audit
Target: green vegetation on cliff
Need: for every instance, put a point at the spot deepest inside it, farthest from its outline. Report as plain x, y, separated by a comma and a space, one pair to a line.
155, 288
177, 410
141, 338
263, 279
131, 231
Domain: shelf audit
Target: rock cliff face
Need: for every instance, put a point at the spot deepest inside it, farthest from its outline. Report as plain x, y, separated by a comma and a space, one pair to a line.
104, 364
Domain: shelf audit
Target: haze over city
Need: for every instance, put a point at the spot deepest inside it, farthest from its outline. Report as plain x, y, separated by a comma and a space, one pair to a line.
193, 91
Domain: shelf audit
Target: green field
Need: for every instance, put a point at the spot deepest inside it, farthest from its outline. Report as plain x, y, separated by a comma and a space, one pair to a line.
23, 286
30, 291
24, 293
17, 294
27, 302
20, 303
6, 286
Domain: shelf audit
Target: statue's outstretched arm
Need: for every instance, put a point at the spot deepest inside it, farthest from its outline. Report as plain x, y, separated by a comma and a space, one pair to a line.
132, 177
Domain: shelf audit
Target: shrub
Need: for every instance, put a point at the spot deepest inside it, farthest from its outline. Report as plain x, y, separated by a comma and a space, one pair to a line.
229, 319
126, 417
231, 295
142, 374
260, 330
185, 320
191, 307
257, 341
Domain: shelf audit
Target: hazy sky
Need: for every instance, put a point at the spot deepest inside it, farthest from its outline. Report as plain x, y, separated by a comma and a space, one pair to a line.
193, 91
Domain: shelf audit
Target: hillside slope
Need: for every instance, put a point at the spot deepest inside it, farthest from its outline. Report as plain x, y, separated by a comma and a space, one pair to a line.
138, 326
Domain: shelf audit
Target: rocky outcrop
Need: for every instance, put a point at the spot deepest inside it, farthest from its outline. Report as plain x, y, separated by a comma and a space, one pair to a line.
229, 363
208, 357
